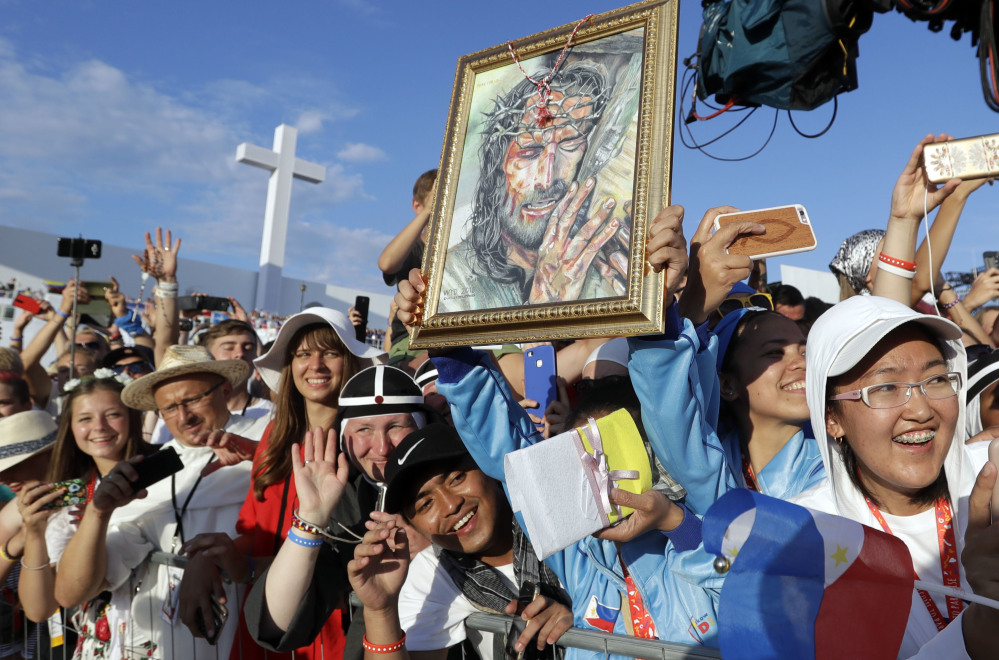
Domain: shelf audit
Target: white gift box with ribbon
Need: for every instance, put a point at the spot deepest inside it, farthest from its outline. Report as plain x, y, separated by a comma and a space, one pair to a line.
561, 486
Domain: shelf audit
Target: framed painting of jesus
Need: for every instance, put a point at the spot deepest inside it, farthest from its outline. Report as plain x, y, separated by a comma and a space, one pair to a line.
556, 158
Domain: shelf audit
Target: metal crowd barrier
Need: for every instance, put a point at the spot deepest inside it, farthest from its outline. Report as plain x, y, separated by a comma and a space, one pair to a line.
19, 638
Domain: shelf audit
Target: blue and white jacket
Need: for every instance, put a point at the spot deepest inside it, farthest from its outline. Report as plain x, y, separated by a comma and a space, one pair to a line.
676, 379
673, 575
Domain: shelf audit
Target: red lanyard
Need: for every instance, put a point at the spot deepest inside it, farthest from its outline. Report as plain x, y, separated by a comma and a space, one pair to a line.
641, 620
948, 560
748, 475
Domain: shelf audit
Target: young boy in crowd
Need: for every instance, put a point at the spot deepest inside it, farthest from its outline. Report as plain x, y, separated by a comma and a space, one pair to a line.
405, 252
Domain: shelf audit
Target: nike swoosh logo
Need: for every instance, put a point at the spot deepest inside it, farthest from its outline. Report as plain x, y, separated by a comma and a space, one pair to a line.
406, 455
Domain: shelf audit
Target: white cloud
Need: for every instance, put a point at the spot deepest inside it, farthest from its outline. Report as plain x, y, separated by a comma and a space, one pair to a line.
361, 153
88, 147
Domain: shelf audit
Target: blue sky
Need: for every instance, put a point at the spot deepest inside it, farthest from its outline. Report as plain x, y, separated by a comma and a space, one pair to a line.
118, 117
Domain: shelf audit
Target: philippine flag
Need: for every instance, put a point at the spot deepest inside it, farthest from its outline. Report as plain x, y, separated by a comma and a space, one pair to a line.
805, 584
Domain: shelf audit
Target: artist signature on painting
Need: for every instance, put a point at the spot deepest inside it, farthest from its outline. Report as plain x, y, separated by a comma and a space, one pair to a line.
457, 293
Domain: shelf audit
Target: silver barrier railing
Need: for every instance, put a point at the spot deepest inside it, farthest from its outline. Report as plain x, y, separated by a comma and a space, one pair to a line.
497, 625
592, 640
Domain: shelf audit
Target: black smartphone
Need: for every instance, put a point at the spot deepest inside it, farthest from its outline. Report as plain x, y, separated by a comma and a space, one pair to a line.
213, 303
361, 304
156, 467
991, 260
220, 614
528, 592
79, 248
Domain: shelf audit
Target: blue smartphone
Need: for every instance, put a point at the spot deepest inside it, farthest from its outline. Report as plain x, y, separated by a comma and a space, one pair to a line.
540, 376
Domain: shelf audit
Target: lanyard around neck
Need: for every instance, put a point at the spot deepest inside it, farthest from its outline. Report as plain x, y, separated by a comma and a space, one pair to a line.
948, 559
179, 515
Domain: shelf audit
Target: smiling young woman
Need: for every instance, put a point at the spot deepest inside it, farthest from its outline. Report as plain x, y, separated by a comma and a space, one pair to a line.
885, 385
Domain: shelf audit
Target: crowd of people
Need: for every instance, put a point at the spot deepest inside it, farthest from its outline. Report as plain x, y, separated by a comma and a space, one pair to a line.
195, 490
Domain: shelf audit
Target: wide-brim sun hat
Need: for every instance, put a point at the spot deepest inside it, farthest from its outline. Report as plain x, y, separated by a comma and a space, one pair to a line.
24, 434
273, 361
180, 361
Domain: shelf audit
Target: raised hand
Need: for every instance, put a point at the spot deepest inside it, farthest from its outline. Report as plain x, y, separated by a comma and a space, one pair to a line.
409, 299
72, 291
564, 260
31, 501
229, 448
115, 299
238, 312
667, 248
160, 260
379, 566
417, 541
321, 478
713, 271
115, 489
913, 187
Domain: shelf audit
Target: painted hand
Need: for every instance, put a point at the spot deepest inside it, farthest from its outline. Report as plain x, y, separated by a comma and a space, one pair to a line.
564, 260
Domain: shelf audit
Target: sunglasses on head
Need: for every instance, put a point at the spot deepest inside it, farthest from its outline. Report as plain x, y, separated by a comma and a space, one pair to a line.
132, 368
587, 385
739, 302
92, 345
976, 351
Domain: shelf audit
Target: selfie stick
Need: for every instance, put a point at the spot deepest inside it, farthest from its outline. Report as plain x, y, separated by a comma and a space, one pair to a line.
75, 263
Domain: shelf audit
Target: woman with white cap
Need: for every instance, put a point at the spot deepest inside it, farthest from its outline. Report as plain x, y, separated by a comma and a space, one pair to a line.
314, 354
886, 399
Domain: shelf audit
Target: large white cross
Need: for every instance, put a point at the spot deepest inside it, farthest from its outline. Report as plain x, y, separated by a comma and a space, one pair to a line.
284, 167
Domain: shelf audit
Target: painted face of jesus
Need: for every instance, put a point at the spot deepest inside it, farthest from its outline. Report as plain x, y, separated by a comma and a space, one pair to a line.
541, 163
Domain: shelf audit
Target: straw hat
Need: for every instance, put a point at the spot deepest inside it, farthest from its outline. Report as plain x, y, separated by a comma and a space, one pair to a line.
270, 363
179, 361
25, 434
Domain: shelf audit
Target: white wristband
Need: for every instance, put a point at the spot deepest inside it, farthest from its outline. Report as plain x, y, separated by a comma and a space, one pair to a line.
895, 270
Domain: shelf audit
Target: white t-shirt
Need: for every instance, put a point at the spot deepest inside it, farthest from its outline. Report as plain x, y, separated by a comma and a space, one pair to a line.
432, 610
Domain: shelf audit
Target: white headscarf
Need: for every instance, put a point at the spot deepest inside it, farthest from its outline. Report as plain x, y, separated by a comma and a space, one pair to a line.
838, 341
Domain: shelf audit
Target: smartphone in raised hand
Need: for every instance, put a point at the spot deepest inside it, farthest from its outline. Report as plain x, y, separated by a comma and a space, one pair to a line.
789, 230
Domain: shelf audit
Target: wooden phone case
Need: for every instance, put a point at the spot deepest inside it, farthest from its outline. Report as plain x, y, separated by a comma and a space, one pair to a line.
788, 231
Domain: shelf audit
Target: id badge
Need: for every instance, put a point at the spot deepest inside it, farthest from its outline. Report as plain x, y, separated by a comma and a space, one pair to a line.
55, 629
171, 594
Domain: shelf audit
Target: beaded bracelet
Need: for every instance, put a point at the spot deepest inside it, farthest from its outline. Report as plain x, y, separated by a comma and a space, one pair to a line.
894, 261
383, 648
309, 528
302, 541
947, 306
895, 270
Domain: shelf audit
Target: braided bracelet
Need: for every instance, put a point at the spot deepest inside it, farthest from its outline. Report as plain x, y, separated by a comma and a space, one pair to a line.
302, 541
309, 528
383, 648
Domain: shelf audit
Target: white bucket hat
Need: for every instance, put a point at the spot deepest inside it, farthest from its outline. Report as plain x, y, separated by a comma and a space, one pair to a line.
25, 434
273, 361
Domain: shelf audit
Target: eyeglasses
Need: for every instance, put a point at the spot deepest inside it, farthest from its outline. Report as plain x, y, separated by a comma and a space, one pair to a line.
752, 300
133, 368
892, 395
199, 401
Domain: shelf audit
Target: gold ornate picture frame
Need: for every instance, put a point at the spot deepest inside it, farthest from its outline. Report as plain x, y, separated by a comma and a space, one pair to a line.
557, 156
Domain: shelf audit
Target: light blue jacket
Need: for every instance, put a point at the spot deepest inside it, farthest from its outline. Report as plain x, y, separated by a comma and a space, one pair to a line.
675, 579
676, 379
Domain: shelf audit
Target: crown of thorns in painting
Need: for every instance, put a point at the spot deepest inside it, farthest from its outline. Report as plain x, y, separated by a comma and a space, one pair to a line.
578, 94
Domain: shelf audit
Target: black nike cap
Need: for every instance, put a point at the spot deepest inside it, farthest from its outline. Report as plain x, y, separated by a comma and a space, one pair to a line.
434, 444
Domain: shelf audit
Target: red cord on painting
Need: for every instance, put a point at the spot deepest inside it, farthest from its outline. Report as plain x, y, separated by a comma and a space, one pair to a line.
544, 89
